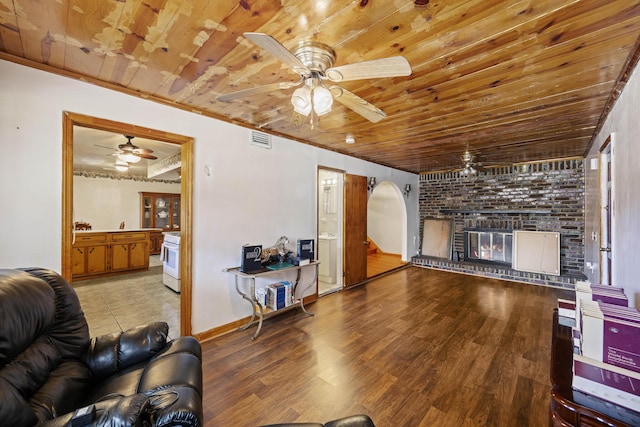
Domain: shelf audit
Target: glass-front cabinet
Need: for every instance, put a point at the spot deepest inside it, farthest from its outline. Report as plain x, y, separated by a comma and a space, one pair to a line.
159, 210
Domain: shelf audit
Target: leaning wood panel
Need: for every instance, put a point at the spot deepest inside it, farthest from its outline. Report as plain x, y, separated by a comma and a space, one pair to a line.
437, 238
536, 251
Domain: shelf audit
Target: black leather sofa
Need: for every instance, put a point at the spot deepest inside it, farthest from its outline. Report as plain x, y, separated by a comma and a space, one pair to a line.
50, 369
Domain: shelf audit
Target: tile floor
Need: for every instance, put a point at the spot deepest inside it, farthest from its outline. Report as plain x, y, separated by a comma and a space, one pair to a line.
116, 303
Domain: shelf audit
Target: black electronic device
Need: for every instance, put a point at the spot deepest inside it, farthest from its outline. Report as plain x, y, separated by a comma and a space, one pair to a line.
84, 416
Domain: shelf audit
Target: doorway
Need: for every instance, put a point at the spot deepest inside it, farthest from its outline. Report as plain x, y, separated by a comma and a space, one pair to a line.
606, 212
386, 229
72, 120
330, 218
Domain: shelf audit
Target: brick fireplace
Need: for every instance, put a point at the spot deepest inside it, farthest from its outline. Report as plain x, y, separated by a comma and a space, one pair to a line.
544, 196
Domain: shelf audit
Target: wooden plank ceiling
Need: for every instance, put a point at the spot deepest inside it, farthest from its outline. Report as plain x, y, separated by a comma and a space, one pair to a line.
511, 81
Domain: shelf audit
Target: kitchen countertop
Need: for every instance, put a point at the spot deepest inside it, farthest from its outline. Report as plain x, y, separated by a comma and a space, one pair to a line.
118, 230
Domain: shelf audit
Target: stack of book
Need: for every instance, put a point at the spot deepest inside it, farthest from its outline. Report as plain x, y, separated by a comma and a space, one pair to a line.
611, 334
606, 360
586, 291
279, 295
306, 252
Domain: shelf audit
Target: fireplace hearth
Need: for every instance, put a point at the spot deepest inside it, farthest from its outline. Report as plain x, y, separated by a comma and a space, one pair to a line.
490, 246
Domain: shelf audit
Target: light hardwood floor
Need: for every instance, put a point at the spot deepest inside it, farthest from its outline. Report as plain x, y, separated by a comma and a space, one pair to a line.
416, 347
380, 262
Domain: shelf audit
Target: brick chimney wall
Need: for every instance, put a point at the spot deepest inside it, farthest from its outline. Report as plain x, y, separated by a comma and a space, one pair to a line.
544, 196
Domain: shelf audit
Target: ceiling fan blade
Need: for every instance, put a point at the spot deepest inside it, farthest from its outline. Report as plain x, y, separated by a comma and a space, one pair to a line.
357, 104
275, 48
146, 156
257, 90
108, 148
394, 66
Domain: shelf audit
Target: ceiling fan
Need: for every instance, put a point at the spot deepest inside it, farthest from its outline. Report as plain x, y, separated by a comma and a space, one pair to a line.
130, 153
469, 165
313, 61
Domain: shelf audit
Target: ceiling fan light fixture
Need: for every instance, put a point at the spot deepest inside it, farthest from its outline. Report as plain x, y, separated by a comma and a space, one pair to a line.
468, 170
301, 101
322, 100
350, 139
129, 158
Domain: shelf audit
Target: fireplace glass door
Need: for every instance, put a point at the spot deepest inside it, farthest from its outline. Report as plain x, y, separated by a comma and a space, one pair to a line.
490, 246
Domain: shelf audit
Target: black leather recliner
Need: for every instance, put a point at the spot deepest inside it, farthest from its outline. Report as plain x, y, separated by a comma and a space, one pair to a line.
50, 369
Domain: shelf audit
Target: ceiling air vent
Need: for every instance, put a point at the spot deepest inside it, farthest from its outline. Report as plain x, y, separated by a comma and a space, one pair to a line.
260, 139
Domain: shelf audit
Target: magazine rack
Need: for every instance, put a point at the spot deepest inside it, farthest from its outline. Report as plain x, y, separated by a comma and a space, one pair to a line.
259, 312
571, 407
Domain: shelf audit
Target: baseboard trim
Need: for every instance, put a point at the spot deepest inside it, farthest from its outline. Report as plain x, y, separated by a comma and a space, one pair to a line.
236, 324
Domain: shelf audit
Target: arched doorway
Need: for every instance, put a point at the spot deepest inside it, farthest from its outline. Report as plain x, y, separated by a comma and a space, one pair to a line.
386, 229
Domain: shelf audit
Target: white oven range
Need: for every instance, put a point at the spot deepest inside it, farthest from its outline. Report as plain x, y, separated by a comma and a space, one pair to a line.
170, 257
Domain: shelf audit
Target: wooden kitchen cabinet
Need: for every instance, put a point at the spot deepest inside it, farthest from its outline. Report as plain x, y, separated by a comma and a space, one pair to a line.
159, 210
157, 238
129, 256
97, 254
130, 250
120, 257
89, 255
89, 260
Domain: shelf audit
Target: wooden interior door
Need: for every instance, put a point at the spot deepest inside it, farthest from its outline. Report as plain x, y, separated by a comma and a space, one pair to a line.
355, 230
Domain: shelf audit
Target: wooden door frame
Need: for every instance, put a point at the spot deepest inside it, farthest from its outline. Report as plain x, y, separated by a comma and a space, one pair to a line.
340, 234
69, 120
607, 232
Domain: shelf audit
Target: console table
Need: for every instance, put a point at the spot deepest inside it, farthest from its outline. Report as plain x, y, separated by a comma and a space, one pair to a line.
258, 311
570, 407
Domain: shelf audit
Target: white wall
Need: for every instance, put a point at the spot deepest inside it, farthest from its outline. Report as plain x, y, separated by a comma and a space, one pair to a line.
105, 203
252, 195
624, 123
385, 216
